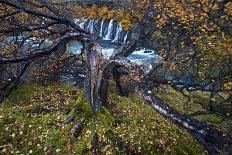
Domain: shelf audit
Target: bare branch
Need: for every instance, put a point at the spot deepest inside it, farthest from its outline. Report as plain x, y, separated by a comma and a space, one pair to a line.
48, 50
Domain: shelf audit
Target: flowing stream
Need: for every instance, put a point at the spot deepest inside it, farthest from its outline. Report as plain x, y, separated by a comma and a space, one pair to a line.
101, 30
110, 36
109, 31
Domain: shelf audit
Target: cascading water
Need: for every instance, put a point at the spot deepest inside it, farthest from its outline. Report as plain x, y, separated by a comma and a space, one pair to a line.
109, 31
118, 32
90, 26
101, 30
105, 31
125, 38
81, 22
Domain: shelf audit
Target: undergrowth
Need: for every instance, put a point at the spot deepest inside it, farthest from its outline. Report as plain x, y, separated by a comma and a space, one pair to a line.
31, 123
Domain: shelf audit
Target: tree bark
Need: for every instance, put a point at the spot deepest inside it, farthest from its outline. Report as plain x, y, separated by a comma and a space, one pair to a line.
46, 51
212, 139
12, 85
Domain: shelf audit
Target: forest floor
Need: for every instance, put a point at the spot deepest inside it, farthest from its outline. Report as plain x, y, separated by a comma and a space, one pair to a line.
31, 123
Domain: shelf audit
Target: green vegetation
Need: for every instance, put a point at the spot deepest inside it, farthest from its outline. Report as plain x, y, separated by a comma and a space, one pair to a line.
31, 123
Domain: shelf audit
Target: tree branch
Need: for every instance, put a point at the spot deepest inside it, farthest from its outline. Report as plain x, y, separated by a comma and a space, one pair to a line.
47, 51
212, 139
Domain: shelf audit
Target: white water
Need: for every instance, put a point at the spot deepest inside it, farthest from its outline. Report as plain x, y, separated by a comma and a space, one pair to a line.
125, 38
143, 57
118, 32
108, 35
107, 52
101, 31
140, 56
105, 30
90, 26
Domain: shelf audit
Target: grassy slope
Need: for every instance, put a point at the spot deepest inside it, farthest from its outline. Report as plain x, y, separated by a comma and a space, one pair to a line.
30, 122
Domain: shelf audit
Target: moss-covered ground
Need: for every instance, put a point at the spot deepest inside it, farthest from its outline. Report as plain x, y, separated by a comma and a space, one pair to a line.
31, 123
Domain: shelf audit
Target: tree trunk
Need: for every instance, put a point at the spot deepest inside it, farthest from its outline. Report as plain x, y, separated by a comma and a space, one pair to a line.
212, 139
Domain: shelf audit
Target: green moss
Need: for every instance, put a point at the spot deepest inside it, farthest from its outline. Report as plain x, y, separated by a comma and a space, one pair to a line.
148, 132
82, 103
33, 124
22, 93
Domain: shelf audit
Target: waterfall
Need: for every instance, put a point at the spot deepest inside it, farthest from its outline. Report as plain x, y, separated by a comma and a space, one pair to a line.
106, 30
125, 38
101, 31
118, 32
90, 26
109, 30
80, 22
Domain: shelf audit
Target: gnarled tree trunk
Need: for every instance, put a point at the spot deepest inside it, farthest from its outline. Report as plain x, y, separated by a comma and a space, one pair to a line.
212, 139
